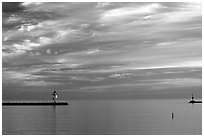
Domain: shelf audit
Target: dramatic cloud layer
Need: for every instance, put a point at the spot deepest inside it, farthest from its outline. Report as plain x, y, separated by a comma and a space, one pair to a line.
101, 50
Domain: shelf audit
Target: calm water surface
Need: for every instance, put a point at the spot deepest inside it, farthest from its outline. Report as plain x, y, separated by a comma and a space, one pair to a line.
105, 117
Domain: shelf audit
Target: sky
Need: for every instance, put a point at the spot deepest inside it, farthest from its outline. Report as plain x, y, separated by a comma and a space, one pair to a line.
101, 50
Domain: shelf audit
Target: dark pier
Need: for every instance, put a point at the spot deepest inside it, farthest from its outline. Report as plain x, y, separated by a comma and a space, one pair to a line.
44, 103
192, 101
34, 103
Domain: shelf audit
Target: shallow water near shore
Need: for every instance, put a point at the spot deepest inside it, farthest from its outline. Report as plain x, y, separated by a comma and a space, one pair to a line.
105, 117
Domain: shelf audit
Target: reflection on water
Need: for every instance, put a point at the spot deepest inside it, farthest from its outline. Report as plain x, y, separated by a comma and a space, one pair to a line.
53, 120
105, 117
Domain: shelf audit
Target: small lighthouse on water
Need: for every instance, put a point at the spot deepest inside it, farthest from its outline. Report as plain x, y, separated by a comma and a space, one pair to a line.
54, 94
192, 98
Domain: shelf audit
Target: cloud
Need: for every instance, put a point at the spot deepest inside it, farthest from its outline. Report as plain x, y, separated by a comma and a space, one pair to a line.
15, 76
27, 78
126, 12
102, 4
85, 78
39, 83
148, 85
187, 12
123, 47
31, 3
48, 51
119, 75
93, 51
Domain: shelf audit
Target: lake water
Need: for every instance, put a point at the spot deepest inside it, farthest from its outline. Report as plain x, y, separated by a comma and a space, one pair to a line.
105, 117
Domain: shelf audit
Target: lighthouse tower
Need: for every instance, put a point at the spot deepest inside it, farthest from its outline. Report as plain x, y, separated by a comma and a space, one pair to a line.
192, 98
54, 94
